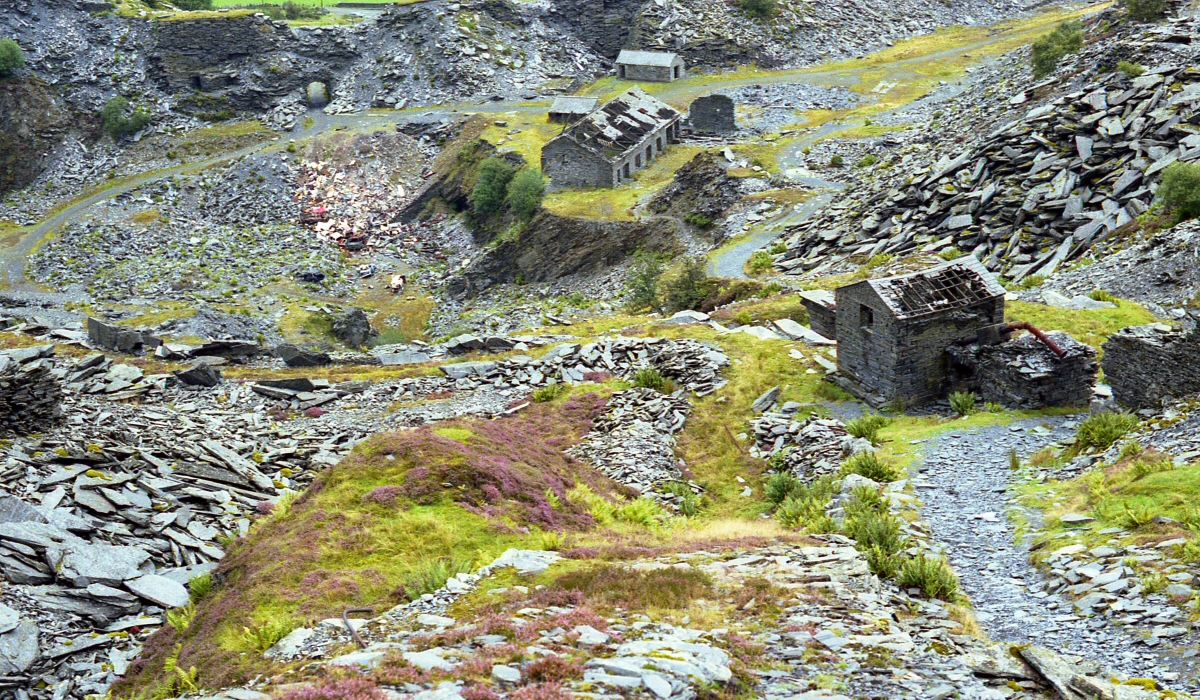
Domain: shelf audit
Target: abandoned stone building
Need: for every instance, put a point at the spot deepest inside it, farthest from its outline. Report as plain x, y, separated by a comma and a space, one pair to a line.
606, 147
892, 333
712, 114
565, 110
1026, 372
651, 66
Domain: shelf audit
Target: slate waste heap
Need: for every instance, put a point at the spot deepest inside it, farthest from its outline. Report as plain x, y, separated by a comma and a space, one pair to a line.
1039, 192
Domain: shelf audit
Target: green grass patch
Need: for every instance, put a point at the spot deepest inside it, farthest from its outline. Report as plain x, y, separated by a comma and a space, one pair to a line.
1092, 327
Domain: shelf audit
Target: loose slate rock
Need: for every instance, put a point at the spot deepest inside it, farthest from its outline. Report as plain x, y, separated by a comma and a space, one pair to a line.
160, 590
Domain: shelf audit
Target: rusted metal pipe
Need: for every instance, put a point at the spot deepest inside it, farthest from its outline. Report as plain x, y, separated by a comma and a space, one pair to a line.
353, 632
1027, 326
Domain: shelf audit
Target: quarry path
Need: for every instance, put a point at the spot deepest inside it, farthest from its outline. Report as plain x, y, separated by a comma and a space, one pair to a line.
964, 485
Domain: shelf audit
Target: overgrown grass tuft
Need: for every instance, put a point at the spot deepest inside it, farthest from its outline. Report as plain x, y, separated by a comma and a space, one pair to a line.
931, 574
1102, 430
650, 378
432, 575
618, 586
868, 426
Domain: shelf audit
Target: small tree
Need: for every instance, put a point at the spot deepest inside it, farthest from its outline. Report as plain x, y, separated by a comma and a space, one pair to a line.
491, 186
525, 193
641, 281
1146, 10
759, 9
1180, 189
12, 58
113, 118
689, 288
1067, 38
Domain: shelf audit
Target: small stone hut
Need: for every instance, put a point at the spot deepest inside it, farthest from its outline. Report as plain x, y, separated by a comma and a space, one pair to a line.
650, 66
607, 146
713, 114
892, 333
565, 110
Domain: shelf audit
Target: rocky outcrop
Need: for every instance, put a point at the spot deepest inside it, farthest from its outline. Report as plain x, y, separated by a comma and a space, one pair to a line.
1146, 364
32, 123
243, 61
702, 187
554, 246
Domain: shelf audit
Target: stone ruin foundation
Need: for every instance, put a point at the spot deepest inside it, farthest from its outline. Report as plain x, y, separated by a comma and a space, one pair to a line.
30, 391
1024, 373
713, 114
1147, 364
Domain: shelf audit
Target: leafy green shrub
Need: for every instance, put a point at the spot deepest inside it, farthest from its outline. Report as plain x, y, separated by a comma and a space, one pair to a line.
1146, 10
698, 219
690, 505
113, 118
200, 587
868, 160
1152, 465
951, 253
642, 511
805, 506
1067, 38
837, 162
994, 407
688, 287
1180, 189
641, 281
1131, 70
759, 9
181, 618
12, 58
932, 575
491, 186
779, 486
743, 318
1029, 282
868, 426
872, 466
650, 378
882, 563
525, 192
1103, 429
778, 248
1101, 295
548, 392
259, 639
963, 402
197, 5
759, 262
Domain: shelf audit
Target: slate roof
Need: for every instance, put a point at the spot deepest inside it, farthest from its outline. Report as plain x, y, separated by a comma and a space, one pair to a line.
957, 284
660, 59
614, 129
573, 105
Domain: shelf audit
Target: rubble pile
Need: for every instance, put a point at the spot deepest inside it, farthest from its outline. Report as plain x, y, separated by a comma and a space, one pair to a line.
691, 364
29, 392
1038, 192
1146, 364
1023, 373
354, 206
632, 443
1161, 272
810, 448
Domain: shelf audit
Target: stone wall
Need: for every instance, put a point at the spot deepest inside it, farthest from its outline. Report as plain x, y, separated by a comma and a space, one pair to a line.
568, 164
653, 74
1147, 364
1024, 373
713, 114
30, 393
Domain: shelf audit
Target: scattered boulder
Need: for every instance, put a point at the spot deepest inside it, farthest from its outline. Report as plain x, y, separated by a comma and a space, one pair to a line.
200, 374
353, 328
294, 356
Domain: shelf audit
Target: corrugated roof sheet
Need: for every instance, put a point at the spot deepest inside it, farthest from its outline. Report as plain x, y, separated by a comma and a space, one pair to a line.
612, 130
574, 105
954, 285
646, 58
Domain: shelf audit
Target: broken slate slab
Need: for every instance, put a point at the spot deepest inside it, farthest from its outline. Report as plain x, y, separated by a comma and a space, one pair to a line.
766, 401
14, 510
9, 619
101, 563
160, 590
18, 648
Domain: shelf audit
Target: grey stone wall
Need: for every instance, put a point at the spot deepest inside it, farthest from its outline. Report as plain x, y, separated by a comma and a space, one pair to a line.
568, 164
822, 319
867, 357
1146, 364
1024, 373
653, 74
713, 114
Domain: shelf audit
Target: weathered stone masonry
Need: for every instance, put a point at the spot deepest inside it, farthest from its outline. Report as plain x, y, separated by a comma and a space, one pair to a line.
1146, 364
